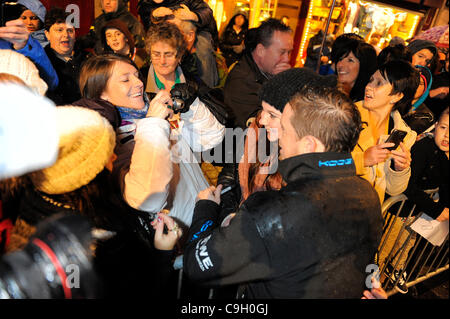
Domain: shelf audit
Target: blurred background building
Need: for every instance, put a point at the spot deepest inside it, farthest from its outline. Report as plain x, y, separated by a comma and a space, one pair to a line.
378, 21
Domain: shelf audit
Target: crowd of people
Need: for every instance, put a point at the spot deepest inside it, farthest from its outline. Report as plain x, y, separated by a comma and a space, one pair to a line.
127, 108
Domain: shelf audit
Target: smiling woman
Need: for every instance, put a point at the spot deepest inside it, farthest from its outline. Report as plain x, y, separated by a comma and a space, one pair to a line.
148, 175
355, 61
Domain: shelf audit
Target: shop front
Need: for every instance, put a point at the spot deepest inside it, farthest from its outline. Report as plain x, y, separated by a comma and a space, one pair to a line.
256, 11
376, 21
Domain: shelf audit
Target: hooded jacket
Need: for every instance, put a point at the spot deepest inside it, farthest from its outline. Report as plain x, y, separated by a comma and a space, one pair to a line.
417, 45
311, 239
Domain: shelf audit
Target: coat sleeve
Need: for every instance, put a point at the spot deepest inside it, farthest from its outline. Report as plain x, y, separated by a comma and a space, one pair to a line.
200, 129
203, 12
419, 165
34, 51
150, 171
358, 159
207, 254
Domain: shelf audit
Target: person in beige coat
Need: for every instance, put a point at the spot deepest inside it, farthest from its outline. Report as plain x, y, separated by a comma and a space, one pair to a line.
387, 96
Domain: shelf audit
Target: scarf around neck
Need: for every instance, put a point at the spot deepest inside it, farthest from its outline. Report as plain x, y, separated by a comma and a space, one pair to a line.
134, 114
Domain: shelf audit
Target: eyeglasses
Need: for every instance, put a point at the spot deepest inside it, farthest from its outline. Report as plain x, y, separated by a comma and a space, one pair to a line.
167, 55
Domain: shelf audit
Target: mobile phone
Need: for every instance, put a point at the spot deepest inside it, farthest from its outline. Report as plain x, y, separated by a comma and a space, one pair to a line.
9, 11
396, 137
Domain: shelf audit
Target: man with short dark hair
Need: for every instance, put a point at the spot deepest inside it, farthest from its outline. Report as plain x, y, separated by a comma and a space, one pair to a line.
64, 58
315, 236
267, 53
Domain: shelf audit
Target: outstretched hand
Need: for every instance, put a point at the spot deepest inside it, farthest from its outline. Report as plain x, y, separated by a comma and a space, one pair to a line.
185, 14
375, 293
162, 12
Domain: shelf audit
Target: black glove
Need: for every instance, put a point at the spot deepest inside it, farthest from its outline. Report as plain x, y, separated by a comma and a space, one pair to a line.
183, 94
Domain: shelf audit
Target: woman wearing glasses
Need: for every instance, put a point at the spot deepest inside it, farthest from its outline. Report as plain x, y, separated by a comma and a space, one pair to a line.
166, 46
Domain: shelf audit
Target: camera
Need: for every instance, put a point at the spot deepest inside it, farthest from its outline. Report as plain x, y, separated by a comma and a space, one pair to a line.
183, 95
177, 100
55, 264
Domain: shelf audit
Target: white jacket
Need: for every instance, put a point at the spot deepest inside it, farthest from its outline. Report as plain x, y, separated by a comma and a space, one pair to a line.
157, 169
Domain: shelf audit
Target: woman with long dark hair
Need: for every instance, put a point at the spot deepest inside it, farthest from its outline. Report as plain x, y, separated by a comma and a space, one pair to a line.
356, 61
232, 39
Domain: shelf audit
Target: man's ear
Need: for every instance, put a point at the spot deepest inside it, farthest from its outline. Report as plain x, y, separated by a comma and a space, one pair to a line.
259, 50
310, 144
46, 33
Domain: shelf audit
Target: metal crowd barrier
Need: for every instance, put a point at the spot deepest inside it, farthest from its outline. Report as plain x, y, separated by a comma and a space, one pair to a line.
421, 260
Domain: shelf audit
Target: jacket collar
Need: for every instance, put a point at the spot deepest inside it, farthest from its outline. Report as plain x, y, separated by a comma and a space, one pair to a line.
151, 81
317, 165
260, 76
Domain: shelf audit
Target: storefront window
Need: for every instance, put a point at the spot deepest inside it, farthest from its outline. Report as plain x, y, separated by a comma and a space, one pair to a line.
256, 10
377, 23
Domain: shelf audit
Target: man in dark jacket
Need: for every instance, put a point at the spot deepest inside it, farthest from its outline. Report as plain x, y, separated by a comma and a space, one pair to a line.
315, 236
267, 52
66, 61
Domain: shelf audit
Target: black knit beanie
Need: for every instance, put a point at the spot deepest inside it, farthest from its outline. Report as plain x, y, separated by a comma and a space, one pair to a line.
282, 87
417, 45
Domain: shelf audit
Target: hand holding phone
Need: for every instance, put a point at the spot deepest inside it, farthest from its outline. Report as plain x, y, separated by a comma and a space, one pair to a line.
396, 137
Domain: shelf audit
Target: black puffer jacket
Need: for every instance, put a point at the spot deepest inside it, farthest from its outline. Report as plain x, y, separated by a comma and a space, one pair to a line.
312, 239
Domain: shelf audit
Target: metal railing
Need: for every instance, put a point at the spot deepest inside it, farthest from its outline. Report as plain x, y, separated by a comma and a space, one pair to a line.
404, 250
